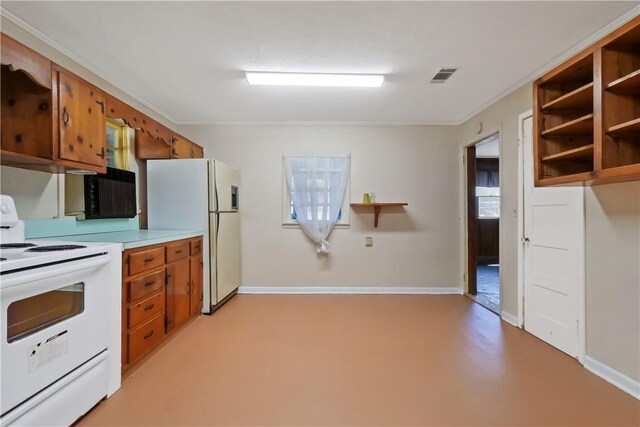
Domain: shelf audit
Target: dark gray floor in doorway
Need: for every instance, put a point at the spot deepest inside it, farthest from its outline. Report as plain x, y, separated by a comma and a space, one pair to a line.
489, 286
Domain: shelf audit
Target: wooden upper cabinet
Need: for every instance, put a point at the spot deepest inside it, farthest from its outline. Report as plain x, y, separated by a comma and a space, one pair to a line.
586, 127
81, 120
185, 149
18, 57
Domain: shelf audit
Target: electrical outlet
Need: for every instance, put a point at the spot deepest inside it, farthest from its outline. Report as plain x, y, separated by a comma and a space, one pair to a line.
368, 242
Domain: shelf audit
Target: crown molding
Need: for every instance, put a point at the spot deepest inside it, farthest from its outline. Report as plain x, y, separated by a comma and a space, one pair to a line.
628, 16
307, 123
80, 61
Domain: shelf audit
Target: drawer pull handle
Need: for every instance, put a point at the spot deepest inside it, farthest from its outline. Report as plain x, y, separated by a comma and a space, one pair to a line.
148, 260
149, 307
148, 335
179, 251
146, 285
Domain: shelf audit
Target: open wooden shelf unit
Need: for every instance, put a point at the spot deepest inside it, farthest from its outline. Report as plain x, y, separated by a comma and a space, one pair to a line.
587, 114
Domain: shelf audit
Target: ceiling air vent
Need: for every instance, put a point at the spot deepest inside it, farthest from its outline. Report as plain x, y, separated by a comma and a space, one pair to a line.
442, 75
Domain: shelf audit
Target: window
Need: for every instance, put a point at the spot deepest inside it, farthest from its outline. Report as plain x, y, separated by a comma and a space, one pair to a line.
117, 145
488, 202
290, 217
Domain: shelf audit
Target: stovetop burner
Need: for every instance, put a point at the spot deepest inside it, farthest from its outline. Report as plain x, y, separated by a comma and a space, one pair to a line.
54, 248
16, 245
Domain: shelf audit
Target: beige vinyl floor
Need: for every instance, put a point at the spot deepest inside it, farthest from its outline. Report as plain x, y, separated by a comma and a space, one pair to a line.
360, 360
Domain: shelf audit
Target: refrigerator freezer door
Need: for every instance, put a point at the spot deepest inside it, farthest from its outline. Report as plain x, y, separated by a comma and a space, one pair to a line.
176, 194
224, 189
226, 247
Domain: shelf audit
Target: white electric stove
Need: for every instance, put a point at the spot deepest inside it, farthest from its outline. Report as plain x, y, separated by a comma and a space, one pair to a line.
55, 328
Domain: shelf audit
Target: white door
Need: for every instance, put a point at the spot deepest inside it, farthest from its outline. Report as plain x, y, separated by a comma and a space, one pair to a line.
225, 250
553, 258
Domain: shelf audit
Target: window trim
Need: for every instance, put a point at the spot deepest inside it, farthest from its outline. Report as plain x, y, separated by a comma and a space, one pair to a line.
287, 222
122, 153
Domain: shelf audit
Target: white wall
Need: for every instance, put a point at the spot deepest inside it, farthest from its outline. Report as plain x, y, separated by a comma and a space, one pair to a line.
417, 246
35, 193
613, 276
503, 116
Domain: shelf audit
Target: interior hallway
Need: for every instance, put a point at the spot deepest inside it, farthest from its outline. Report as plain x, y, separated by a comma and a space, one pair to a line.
360, 360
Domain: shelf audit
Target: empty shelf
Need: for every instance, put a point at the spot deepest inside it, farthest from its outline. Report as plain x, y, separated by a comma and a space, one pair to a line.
579, 99
585, 152
632, 127
580, 126
627, 84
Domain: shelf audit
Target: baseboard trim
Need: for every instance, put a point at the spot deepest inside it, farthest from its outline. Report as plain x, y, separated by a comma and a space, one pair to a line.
509, 318
616, 378
313, 290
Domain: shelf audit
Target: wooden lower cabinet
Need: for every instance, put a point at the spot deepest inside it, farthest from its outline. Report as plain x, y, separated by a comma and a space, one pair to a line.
178, 289
161, 290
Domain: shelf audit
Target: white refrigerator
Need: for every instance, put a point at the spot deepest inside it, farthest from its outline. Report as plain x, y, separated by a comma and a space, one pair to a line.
200, 194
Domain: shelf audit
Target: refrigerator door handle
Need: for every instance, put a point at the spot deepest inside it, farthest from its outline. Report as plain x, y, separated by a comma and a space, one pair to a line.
215, 193
217, 227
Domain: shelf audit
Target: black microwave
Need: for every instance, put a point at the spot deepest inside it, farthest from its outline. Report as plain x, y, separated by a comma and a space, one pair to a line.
110, 195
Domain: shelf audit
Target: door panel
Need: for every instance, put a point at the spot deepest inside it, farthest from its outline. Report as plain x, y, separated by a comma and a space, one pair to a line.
227, 250
177, 303
82, 120
553, 258
195, 299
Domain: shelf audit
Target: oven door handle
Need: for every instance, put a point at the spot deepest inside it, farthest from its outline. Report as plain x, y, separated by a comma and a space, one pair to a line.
17, 279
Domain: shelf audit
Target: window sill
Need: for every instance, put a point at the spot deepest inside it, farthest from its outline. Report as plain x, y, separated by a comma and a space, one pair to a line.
296, 225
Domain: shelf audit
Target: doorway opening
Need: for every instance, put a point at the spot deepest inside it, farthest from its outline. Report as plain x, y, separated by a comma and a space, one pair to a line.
483, 222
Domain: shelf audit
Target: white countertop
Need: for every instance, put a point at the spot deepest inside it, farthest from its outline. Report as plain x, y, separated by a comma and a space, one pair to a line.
134, 238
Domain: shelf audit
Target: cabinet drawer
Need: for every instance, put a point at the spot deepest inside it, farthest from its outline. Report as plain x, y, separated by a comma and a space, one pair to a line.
146, 285
145, 337
196, 247
177, 251
145, 260
146, 309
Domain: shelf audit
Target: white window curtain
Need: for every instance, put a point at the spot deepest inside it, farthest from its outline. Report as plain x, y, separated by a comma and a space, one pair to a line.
317, 184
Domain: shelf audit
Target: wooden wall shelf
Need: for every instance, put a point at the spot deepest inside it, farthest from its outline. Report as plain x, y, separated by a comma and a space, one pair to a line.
631, 127
579, 126
585, 152
376, 208
627, 84
575, 100
586, 114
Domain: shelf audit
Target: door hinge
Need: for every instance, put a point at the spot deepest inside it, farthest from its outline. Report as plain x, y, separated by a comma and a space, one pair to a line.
464, 277
578, 327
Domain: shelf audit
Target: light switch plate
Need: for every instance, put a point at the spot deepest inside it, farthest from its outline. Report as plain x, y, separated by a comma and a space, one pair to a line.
368, 242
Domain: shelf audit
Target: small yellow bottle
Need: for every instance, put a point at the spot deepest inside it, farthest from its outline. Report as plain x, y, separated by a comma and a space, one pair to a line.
365, 198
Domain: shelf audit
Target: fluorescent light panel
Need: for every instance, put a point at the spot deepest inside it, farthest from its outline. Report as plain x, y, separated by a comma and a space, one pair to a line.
309, 79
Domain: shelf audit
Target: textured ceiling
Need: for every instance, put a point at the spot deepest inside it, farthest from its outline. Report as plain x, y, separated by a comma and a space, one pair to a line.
187, 58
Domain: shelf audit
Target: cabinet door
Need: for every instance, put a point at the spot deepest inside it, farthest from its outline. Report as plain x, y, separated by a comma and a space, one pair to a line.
177, 294
195, 306
81, 120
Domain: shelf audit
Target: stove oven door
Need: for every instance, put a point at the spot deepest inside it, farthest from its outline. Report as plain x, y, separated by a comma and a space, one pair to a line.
53, 321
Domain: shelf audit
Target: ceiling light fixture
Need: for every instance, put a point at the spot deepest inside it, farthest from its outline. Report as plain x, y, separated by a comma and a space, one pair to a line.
312, 79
